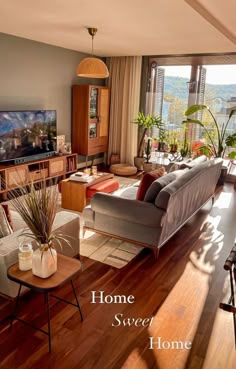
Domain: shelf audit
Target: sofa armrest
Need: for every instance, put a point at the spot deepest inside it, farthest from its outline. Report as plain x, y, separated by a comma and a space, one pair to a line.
65, 222
130, 210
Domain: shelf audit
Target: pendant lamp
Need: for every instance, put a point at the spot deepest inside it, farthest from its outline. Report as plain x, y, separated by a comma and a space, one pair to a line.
92, 67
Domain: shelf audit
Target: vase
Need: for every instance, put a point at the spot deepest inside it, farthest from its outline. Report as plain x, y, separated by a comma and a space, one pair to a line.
138, 162
147, 167
44, 262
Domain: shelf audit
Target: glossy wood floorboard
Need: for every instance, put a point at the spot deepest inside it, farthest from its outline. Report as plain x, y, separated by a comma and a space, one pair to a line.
182, 291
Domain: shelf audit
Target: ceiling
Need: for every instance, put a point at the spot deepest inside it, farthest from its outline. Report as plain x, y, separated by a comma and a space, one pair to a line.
125, 27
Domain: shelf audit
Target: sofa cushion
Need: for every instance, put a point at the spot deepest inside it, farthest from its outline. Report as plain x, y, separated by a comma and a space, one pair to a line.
147, 180
5, 228
107, 186
189, 163
129, 192
159, 184
187, 176
197, 161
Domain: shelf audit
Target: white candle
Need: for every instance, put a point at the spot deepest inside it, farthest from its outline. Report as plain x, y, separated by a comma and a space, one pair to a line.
25, 257
25, 263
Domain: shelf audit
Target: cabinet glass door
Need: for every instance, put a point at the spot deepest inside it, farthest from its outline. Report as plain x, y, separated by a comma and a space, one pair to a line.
92, 130
93, 105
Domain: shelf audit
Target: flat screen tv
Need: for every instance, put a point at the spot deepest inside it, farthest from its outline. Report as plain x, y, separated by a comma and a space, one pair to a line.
26, 133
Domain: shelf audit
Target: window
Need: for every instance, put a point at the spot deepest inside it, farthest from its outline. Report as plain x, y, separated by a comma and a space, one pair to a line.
172, 88
220, 93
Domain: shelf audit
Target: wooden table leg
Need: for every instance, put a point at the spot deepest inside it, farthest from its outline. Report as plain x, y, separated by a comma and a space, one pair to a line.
13, 316
73, 195
49, 327
77, 300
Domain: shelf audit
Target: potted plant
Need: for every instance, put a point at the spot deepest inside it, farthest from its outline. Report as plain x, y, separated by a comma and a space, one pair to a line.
37, 208
155, 142
185, 146
162, 137
216, 147
145, 122
147, 166
231, 142
173, 141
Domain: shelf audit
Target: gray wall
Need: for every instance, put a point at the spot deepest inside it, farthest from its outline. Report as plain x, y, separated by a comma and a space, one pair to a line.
34, 75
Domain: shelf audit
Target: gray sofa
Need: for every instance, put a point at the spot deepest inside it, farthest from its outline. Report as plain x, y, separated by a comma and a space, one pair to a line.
169, 202
65, 222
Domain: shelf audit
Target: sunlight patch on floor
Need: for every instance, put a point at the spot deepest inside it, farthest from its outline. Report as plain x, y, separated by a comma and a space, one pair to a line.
223, 202
222, 342
180, 317
211, 242
213, 221
135, 360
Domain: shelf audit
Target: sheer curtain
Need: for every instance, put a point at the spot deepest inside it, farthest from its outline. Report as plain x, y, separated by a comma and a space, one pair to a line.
124, 81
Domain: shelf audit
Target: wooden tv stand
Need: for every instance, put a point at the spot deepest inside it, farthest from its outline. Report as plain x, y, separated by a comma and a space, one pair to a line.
13, 176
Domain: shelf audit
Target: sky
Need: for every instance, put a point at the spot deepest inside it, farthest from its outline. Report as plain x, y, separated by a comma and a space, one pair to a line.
216, 74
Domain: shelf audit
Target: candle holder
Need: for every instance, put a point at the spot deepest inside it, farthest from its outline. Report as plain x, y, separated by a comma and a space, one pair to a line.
25, 256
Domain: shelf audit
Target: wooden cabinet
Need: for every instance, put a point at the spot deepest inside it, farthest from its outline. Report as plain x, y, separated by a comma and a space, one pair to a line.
90, 119
13, 176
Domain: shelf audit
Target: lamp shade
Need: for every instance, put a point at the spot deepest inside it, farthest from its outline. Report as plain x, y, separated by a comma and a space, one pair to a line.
92, 68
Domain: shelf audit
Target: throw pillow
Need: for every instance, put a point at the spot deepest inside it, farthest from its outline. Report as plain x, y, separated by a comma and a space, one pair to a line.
8, 215
158, 185
182, 177
5, 228
147, 180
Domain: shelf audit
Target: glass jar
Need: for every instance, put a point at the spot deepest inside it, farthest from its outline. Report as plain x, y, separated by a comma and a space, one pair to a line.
25, 256
94, 170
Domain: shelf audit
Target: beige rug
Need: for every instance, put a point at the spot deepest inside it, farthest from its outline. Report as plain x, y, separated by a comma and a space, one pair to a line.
108, 250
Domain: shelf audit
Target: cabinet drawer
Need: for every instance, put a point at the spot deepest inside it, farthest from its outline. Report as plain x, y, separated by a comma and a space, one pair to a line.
57, 166
38, 174
16, 176
97, 149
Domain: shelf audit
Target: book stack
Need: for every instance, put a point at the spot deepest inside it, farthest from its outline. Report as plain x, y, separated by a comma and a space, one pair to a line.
81, 177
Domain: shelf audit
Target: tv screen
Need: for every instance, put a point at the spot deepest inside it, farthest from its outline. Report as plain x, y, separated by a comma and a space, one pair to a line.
24, 133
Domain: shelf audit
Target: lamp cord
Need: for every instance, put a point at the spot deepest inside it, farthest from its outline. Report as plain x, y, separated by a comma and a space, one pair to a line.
92, 45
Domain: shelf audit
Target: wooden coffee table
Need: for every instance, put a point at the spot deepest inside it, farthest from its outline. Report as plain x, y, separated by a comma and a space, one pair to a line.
73, 193
67, 269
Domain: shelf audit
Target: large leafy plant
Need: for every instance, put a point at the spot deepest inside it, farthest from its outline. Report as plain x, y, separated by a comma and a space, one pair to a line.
146, 122
215, 147
231, 142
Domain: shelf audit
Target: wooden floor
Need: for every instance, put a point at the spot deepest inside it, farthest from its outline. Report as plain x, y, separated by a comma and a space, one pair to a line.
182, 291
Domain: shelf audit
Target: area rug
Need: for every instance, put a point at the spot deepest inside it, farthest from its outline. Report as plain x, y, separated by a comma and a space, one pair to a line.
98, 247
108, 250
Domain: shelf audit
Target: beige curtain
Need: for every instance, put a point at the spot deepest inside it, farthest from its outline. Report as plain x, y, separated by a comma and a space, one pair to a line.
124, 81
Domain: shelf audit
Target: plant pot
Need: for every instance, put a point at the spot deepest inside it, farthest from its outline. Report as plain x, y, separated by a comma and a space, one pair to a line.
147, 167
161, 146
173, 148
44, 262
138, 162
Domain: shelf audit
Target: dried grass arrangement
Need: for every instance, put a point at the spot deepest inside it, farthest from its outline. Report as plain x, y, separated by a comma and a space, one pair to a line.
38, 207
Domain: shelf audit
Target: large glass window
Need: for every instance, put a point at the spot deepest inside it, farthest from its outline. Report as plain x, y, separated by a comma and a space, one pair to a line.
220, 94
172, 89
